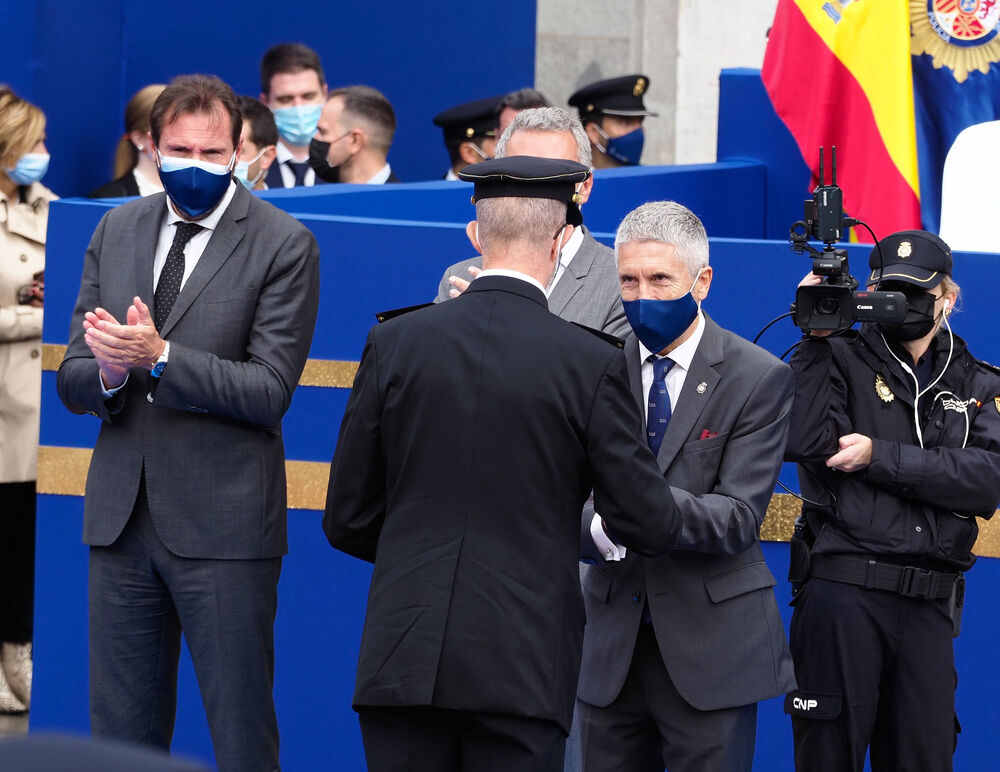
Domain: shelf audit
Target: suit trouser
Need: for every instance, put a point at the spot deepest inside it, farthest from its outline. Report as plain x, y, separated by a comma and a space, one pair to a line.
650, 726
17, 561
873, 667
141, 597
427, 739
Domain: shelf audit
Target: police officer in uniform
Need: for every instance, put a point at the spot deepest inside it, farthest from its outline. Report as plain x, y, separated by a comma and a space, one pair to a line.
897, 432
612, 112
470, 132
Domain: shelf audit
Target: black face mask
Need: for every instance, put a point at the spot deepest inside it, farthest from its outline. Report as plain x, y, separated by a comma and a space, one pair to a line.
318, 153
918, 322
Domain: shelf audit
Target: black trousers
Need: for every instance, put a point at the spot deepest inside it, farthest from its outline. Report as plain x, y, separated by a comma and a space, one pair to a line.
426, 739
875, 670
17, 561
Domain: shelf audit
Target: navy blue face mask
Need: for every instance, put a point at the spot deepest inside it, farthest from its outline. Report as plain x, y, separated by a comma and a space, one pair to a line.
658, 323
627, 148
195, 187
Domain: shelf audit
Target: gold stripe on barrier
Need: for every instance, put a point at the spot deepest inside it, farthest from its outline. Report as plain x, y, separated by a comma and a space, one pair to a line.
52, 355
63, 472
329, 373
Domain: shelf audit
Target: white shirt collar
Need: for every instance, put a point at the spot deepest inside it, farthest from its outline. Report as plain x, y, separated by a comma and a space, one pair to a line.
210, 222
380, 176
451, 175
512, 275
284, 154
684, 353
146, 188
572, 246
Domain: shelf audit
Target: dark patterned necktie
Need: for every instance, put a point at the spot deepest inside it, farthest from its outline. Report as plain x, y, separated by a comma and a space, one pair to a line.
169, 285
300, 170
658, 415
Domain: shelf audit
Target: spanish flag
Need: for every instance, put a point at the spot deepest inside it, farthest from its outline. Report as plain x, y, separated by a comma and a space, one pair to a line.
839, 74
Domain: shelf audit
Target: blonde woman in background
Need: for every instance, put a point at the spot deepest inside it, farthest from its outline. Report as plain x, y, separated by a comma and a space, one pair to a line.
24, 211
135, 170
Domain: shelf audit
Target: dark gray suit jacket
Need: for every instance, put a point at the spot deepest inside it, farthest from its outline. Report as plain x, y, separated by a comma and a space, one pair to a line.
711, 600
587, 292
208, 433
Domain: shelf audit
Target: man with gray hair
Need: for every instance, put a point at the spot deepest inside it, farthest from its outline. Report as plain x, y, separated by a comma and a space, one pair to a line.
470, 653
585, 286
353, 137
679, 649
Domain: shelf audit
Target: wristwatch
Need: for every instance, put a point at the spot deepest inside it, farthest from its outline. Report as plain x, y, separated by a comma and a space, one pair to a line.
161, 363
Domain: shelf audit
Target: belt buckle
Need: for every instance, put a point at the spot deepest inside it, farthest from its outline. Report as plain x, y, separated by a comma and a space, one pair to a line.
916, 583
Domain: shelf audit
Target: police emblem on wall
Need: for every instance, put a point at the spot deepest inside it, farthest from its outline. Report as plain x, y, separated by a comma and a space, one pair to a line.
959, 34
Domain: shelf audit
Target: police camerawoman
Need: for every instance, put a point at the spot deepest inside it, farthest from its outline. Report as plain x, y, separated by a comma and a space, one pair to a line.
896, 430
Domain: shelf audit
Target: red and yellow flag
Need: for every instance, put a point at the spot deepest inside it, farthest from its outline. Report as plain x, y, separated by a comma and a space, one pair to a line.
839, 73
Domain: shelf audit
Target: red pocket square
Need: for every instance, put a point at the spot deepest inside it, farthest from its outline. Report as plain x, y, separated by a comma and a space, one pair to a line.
707, 435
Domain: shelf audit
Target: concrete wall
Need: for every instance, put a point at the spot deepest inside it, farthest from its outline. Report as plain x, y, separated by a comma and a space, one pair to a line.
681, 45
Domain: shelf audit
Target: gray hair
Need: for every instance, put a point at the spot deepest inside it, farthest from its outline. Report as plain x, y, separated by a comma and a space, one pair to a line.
669, 223
548, 119
507, 220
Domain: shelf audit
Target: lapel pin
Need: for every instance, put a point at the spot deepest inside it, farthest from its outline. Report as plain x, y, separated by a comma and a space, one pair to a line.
702, 387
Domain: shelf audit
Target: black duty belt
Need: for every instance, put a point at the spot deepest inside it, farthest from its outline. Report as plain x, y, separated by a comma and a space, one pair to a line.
908, 581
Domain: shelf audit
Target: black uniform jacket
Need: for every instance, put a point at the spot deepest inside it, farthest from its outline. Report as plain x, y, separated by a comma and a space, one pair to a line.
473, 435
912, 504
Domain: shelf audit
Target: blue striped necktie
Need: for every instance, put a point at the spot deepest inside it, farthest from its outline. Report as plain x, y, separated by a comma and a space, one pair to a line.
658, 415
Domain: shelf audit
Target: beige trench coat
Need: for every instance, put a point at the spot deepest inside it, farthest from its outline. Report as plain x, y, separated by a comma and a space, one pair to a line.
22, 253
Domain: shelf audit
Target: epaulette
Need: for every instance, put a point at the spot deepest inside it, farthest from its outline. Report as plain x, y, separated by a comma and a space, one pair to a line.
385, 316
987, 366
614, 340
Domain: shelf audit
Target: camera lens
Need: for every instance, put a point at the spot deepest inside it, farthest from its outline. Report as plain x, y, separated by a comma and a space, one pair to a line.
828, 306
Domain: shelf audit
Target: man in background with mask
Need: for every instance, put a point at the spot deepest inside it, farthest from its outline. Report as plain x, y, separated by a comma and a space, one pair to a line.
260, 140
896, 429
612, 111
353, 137
470, 132
679, 649
292, 85
585, 286
192, 327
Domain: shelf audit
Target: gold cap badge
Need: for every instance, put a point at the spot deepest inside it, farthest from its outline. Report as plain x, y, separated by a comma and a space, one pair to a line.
905, 250
470, 132
640, 86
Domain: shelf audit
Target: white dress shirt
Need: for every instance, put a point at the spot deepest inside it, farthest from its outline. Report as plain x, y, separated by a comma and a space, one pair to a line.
512, 275
682, 356
146, 188
568, 253
287, 175
196, 246
380, 176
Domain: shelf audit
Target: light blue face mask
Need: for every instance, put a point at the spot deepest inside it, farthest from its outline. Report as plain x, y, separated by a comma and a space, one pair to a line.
658, 323
31, 167
242, 171
297, 124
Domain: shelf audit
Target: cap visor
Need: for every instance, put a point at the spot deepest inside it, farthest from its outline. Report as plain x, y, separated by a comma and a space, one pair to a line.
909, 273
626, 113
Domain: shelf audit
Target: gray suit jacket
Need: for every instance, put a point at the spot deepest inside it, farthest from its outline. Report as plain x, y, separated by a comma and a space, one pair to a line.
587, 292
208, 433
711, 600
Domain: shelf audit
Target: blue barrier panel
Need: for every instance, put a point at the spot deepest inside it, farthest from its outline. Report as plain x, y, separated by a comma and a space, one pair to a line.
81, 62
750, 130
728, 197
369, 265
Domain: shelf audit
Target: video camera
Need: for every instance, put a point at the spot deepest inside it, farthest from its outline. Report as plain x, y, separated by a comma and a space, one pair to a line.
835, 304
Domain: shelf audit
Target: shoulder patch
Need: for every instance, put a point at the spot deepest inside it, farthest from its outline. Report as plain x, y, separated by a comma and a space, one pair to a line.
385, 316
614, 340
